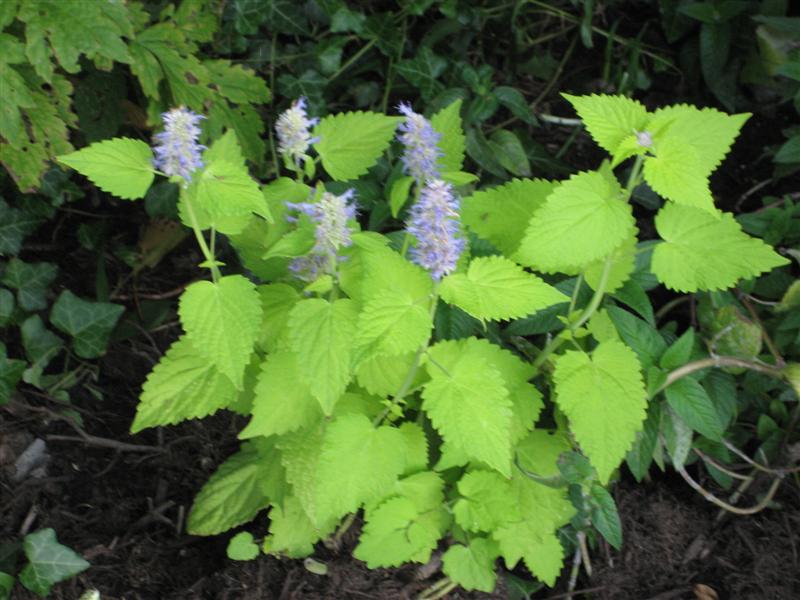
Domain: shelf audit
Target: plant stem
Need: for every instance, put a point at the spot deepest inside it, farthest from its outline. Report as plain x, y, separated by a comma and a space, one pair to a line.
209, 255
719, 362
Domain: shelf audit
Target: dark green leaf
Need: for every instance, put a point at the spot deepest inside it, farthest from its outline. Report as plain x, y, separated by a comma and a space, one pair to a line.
678, 354
423, 71
677, 437
89, 323
6, 306
514, 101
789, 152
40, 344
509, 152
690, 401
15, 226
10, 373
48, 562
479, 150
636, 333
574, 468
605, 517
31, 280
641, 455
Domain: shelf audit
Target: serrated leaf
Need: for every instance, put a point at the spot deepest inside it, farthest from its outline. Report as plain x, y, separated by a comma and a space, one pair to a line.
89, 323
392, 324
623, 261
277, 301
702, 251
242, 547
541, 551
358, 463
384, 270
350, 143
283, 401
472, 567
486, 502
48, 562
383, 375
582, 221
495, 288
122, 166
322, 334
501, 214
691, 403
292, 532
469, 406
225, 189
396, 533
221, 321
604, 515
642, 337
453, 142
423, 70
237, 490
183, 385
609, 119
604, 398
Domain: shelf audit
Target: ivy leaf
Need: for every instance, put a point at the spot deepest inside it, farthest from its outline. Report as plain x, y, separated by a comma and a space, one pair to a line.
583, 220
350, 143
321, 334
472, 566
708, 252
692, 404
358, 463
183, 385
48, 562
392, 324
15, 226
283, 401
41, 345
241, 486
122, 166
605, 400
604, 515
501, 214
89, 323
495, 288
11, 371
31, 280
453, 142
423, 71
609, 119
221, 321
242, 547
396, 533
469, 405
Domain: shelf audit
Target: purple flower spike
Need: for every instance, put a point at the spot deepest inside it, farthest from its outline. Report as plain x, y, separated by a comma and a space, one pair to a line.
292, 128
331, 215
422, 154
177, 150
434, 221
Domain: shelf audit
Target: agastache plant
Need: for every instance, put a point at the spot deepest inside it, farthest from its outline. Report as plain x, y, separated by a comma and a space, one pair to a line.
370, 390
331, 215
422, 153
177, 150
293, 129
433, 221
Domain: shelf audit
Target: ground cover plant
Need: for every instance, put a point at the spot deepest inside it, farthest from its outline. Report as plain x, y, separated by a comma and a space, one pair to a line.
426, 314
358, 401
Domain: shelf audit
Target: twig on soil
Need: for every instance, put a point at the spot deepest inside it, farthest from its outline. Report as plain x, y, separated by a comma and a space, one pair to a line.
93, 440
758, 466
729, 507
29, 519
582, 592
573, 574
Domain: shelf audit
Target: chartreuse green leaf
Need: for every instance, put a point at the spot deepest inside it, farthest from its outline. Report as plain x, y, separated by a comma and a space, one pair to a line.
453, 142
351, 142
48, 562
321, 335
416, 447
692, 404
582, 221
358, 463
623, 261
688, 144
487, 501
122, 166
283, 401
89, 323
225, 149
467, 401
221, 321
472, 566
393, 323
384, 270
225, 189
183, 385
495, 288
300, 453
604, 398
242, 547
501, 214
609, 119
292, 533
383, 375
238, 489
277, 301
702, 251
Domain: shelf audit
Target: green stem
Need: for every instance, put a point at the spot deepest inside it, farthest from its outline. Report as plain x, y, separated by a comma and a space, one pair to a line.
363, 50
574, 298
718, 362
634, 178
209, 255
